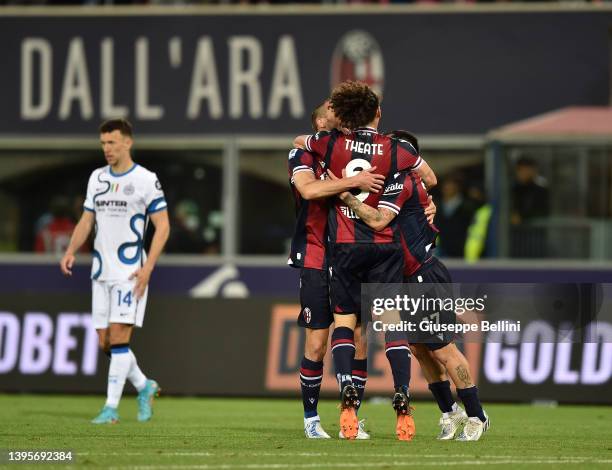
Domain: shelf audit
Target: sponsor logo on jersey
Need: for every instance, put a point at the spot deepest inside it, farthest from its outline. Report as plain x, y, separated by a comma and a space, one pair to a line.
358, 56
158, 185
129, 189
111, 203
394, 188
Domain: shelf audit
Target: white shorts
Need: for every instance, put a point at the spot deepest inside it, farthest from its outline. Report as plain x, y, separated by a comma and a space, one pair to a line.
115, 302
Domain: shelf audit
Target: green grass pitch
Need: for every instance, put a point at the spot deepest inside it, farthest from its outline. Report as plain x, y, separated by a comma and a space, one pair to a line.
206, 433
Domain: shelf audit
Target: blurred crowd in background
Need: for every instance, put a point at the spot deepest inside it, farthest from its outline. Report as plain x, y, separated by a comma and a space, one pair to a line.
464, 216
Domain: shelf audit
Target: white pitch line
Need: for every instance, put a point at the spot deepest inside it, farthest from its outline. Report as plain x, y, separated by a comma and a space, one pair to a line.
325, 454
152, 454
412, 462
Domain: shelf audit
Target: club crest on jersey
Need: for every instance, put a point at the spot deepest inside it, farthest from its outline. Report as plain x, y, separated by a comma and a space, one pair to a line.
307, 315
129, 189
358, 56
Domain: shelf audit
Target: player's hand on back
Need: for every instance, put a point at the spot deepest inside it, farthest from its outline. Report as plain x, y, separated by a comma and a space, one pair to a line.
367, 180
142, 276
66, 264
430, 211
331, 176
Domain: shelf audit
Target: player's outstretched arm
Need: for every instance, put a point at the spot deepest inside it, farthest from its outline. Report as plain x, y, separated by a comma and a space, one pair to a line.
377, 219
162, 232
313, 188
79, 236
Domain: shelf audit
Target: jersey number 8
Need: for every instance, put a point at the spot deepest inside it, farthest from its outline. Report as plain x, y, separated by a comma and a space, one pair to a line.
354, 167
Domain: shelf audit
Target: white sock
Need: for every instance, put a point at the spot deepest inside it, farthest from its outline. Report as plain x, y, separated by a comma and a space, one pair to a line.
135, 375
117, 372
309, 420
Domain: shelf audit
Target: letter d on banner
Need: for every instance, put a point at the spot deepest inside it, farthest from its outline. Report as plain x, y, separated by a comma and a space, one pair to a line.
9, 341
31, 48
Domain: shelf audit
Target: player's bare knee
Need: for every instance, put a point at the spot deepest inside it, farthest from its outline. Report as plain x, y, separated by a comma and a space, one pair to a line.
104, 339
419, 351
345, 320
315, 352
315, 349
316, 344
453, 353
120, 333
361, 343
445, 354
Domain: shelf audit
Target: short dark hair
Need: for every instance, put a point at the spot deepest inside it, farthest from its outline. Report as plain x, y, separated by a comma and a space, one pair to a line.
121, 125
354, 103
526, 161
407, 136
317, 113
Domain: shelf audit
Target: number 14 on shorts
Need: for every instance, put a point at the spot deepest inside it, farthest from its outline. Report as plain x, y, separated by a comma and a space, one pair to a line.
124, 299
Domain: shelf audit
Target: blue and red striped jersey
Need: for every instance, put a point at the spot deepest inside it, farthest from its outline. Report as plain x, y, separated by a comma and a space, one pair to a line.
308, 245
406, 196
360, 150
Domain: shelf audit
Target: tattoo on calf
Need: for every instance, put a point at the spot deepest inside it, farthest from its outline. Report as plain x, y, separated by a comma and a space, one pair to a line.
464, 376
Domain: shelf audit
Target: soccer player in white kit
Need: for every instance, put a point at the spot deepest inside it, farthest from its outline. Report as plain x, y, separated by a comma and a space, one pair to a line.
121, 198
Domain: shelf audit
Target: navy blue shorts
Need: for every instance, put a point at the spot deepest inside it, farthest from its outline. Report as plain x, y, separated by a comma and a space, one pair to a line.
314, 299
355, 263
434, 272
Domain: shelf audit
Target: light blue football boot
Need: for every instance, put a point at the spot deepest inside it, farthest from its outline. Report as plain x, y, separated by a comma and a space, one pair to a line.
108, 415
145, 400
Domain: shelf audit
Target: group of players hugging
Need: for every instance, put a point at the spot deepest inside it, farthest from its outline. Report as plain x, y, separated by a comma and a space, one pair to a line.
364, 216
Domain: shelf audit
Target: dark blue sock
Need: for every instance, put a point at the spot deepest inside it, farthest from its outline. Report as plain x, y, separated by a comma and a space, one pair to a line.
120, 348
360, 377
398, 354
473, 407
343, 352
443, 395
311, 375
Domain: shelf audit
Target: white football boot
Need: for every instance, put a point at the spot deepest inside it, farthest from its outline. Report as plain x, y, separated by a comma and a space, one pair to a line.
361, 434
451, 423
313, 429
474, 429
